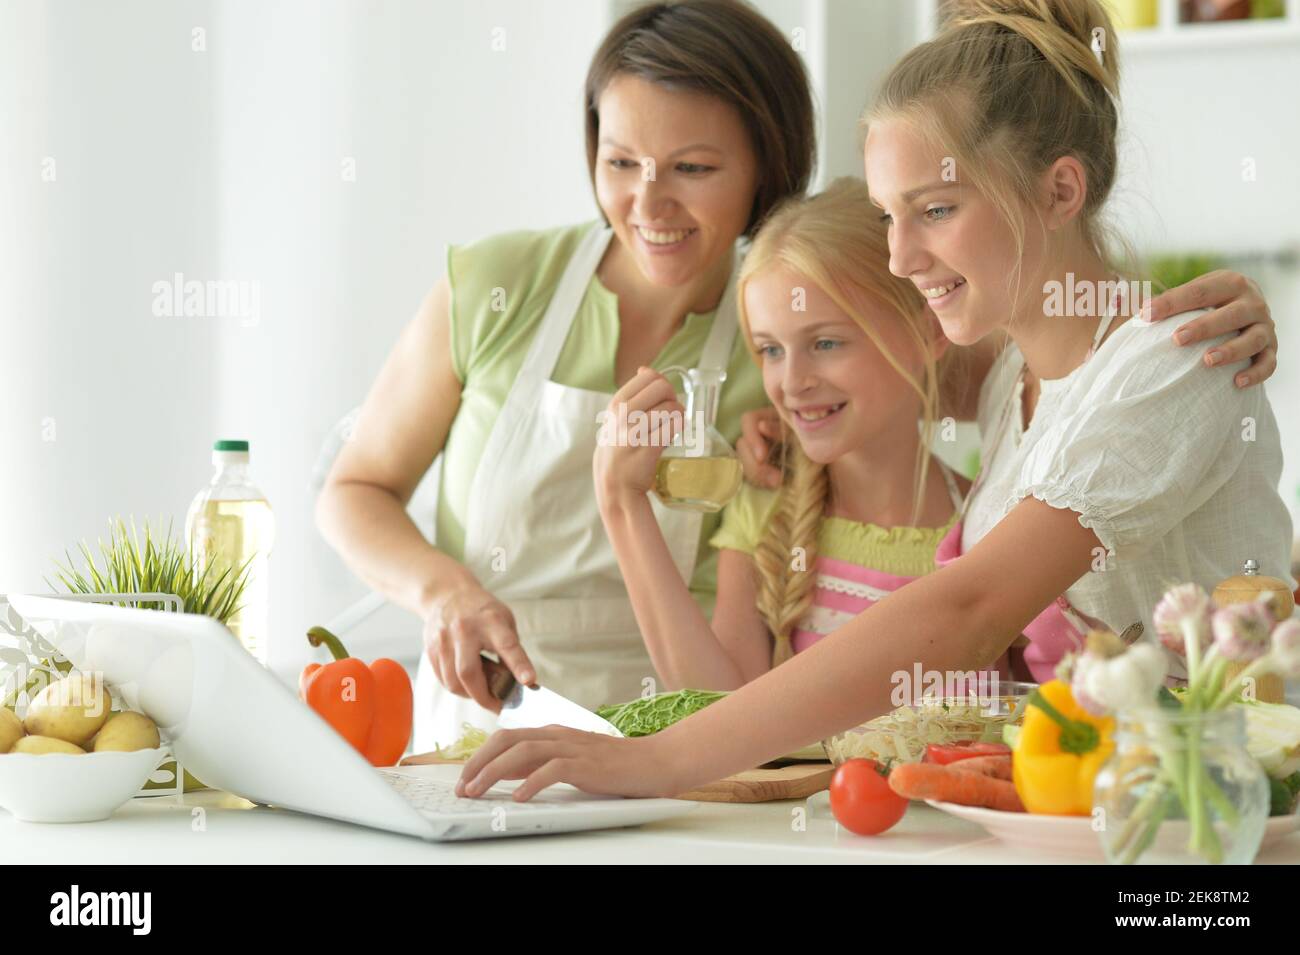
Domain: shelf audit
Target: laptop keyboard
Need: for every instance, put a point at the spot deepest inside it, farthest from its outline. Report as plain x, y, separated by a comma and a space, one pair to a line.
439, 795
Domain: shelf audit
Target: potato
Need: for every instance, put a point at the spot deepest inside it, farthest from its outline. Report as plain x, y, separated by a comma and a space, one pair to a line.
72, 709
11, 728
41, 745
126, 732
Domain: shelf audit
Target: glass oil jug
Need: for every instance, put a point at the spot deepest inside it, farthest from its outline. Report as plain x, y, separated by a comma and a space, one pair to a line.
699, 471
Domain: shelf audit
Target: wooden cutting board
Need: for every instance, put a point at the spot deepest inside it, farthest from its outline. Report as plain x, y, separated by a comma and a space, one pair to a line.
429, 759
798, 781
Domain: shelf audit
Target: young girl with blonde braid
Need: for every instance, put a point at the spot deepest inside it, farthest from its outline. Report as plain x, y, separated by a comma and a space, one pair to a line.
852, 359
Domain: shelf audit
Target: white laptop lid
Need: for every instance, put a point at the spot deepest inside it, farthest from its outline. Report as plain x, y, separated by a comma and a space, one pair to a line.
230, 721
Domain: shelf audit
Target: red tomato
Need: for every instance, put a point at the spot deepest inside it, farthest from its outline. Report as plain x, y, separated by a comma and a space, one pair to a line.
943, 755
862, 800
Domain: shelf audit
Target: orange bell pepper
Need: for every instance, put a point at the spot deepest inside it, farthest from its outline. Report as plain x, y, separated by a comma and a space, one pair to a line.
370, 706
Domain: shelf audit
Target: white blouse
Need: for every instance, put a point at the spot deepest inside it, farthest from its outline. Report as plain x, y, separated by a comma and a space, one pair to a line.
1172, 466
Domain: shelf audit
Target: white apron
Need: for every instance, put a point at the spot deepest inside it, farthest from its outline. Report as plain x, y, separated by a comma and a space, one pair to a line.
533, 533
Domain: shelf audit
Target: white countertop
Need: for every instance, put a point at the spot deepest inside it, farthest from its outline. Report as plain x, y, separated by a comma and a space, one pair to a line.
228, 829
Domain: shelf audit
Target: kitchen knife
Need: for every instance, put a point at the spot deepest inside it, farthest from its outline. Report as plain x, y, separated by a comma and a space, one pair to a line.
530, 706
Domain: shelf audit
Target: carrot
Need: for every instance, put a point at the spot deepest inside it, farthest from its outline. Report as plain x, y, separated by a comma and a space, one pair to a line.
952, 784
999, 767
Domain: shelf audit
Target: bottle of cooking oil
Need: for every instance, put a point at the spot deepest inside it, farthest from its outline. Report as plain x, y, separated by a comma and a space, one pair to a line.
699, 471
230, 523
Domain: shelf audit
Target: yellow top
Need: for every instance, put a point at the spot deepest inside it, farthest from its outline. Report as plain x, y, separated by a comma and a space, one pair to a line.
901, 551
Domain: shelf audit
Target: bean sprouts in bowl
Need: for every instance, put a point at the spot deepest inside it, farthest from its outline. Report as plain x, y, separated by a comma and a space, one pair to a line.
902, 735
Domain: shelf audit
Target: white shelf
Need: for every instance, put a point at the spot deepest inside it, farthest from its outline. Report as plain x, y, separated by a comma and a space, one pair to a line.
1171, 36
1208, 36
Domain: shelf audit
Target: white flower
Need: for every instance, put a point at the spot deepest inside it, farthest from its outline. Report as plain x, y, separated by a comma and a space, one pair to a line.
1241, 630
1129, 681
1286, 649
1184, 610
1083, 665
1109, 676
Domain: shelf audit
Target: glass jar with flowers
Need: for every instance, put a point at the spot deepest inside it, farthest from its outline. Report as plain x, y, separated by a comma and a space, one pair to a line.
1181, 785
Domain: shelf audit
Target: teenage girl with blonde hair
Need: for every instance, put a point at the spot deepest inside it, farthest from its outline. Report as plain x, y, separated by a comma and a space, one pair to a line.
1115, 463
852, 359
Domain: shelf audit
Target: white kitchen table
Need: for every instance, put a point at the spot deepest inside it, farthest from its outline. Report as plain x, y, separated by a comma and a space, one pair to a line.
169, 830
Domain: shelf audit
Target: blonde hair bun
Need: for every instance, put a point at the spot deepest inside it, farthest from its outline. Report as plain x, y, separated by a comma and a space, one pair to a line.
1075, 36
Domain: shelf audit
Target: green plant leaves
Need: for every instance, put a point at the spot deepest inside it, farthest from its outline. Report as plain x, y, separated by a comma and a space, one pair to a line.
158, 563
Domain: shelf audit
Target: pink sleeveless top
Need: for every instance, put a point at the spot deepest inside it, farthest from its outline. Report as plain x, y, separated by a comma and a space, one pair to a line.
845, 589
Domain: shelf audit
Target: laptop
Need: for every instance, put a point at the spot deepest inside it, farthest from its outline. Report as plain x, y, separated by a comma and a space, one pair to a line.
236, 727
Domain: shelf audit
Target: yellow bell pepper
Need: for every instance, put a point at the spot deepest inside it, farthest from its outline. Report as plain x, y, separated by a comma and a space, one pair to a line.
1058, 752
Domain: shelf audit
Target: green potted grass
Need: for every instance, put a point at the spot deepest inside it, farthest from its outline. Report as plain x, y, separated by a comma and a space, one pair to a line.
135, 562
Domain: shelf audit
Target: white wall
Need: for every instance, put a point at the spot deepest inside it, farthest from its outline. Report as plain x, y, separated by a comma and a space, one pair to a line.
105, 409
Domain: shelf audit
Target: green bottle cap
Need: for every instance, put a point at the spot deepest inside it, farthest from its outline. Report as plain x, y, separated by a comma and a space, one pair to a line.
230, 446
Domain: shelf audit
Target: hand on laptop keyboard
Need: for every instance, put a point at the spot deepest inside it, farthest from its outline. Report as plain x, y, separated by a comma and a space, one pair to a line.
438, 795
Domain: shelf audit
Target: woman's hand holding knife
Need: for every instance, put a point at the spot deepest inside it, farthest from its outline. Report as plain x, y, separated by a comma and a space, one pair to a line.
468, 619
459, 625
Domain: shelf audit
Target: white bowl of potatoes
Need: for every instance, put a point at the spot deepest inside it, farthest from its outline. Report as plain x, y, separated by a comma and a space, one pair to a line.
71, 758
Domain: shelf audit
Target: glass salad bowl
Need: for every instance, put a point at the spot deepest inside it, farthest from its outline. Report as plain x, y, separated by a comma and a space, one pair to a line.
903, 734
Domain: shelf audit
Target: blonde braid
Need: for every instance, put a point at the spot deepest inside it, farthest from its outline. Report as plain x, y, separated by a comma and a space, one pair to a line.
784, 593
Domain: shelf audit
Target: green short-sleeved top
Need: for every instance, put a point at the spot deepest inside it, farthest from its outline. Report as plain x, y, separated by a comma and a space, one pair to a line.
901, 551
500, 289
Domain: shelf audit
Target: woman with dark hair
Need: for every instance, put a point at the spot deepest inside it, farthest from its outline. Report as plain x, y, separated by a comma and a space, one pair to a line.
699, 120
